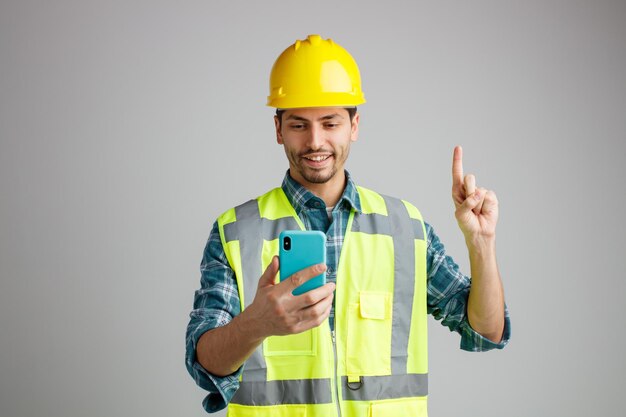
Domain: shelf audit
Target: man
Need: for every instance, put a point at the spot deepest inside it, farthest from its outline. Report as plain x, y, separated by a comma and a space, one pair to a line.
357, 345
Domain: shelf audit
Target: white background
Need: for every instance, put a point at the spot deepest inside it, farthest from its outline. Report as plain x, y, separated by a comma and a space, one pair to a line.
126, 127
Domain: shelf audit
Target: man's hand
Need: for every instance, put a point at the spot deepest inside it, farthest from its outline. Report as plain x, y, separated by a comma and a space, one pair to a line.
276, 311
476, 208
477, 215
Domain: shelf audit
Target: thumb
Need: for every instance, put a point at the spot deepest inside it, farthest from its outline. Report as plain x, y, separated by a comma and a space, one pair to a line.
269, 276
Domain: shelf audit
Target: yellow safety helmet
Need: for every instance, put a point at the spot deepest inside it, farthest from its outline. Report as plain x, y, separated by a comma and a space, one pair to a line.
315, 73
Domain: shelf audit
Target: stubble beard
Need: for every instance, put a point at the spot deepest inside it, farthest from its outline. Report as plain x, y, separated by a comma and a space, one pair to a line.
310, 175
315, 177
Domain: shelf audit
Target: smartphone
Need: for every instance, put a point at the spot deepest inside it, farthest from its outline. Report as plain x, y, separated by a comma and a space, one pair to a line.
300, 249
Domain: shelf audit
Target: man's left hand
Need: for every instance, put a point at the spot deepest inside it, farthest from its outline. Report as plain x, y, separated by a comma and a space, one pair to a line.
476, 207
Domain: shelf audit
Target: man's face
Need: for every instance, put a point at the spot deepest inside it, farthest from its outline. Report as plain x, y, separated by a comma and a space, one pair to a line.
316, 141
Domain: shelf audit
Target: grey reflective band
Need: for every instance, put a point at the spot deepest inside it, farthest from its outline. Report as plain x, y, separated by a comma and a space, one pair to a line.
289, 391
378, 224
247, 228
251, 230
404, 230
418, 229
386, 387
270, 229
371, 223
404, 282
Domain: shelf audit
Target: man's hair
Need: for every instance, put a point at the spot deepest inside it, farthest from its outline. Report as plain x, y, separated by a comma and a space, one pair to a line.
279, 114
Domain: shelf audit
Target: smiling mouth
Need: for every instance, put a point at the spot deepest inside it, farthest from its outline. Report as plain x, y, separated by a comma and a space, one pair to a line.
317, 158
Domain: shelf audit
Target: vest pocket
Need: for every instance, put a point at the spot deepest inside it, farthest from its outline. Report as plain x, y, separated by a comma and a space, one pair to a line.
301, 344
403, 407
368, 346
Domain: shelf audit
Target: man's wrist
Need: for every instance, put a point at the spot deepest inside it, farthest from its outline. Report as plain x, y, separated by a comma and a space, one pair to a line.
246, 326
480, 245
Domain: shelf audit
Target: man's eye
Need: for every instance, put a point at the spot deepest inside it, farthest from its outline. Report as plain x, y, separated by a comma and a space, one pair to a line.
297, 127
331, 125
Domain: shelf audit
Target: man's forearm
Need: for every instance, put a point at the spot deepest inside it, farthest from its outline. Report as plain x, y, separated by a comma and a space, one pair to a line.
221, 351
486, 299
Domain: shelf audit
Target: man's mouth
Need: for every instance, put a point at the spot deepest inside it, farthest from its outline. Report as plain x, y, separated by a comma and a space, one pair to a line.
317, 158
317, 161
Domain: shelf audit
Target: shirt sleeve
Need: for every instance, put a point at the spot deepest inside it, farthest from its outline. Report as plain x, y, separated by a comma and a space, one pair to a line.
447, 293
215, 304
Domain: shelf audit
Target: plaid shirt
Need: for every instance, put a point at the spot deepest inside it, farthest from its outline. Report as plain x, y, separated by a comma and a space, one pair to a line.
217, 300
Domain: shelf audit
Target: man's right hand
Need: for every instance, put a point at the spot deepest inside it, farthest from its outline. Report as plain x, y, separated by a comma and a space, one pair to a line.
276, 311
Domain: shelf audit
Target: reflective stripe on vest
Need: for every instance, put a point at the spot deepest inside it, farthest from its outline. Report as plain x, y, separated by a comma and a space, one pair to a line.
386, 387
403, 230
317, 391
250, 229
296, 391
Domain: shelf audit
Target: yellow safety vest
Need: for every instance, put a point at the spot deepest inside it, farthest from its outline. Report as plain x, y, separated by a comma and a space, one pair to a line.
375, 363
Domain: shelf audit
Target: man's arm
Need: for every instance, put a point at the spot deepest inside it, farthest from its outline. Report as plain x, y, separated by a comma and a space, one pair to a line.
274, 311
221, 351
215, 304
485, 308
448, 296
477, 216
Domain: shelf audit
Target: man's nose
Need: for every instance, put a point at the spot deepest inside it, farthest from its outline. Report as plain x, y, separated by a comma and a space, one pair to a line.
316, 138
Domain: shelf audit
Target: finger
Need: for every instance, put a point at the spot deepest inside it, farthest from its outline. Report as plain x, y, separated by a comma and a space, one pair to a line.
470, 184
316, 295
468, 205
302, 276
325, 315
479, 206
319, 309
269, 276
490, 204
457, 166
314, 316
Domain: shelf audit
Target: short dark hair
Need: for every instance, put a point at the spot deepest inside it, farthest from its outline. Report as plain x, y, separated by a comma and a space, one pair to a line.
351, 113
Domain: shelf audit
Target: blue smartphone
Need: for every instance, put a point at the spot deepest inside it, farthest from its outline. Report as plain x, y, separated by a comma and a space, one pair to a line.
300, 249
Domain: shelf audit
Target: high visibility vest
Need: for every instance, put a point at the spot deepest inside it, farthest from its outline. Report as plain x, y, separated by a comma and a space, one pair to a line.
375, 362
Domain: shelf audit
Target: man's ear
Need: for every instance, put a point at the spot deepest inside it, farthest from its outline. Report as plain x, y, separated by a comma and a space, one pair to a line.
279, 136
354, 130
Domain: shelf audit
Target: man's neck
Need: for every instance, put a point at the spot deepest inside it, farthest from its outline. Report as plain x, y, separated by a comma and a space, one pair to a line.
329, 191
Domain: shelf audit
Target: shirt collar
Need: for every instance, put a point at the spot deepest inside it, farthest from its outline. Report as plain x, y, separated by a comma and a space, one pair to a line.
302, 199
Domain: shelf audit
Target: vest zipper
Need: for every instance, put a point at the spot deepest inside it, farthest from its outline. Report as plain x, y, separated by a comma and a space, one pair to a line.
335, 377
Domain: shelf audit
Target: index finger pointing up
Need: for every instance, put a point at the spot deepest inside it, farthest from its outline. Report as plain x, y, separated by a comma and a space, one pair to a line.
457, 166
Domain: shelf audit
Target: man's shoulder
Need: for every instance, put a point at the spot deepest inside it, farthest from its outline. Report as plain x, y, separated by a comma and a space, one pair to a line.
252, 203
375, 198
369, 191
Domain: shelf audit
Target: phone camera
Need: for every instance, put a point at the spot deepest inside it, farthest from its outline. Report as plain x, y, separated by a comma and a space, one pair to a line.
287, 243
